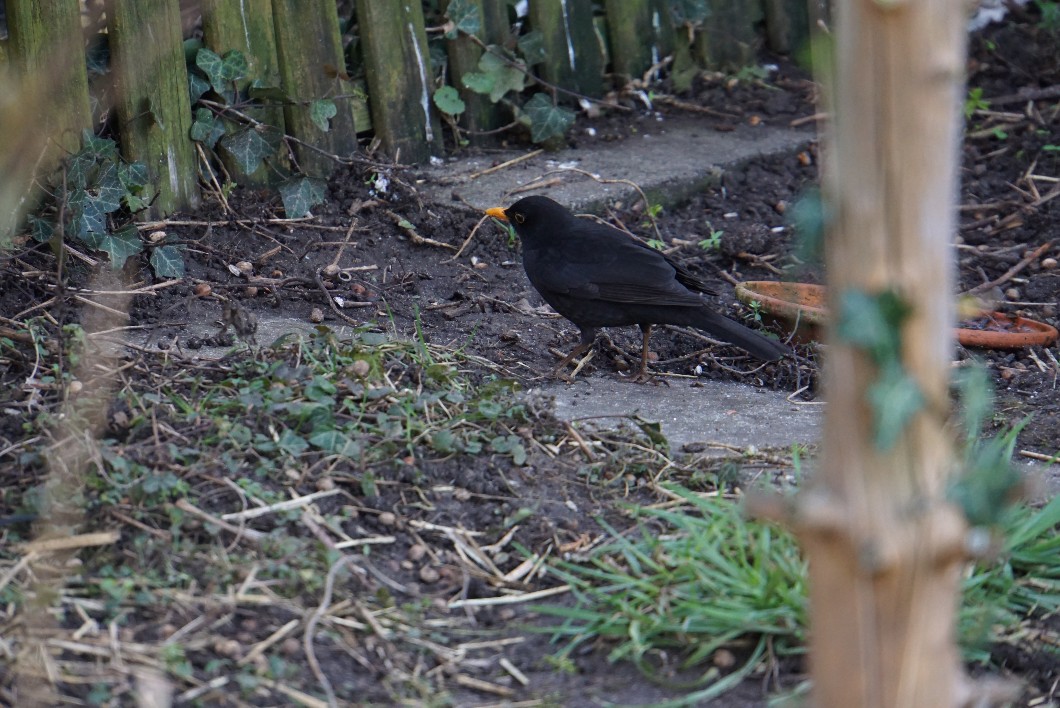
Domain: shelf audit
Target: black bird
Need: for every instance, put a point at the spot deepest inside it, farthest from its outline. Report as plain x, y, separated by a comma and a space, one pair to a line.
597, 276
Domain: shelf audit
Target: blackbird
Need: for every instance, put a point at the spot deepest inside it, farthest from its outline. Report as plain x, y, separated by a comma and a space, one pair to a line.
597, 276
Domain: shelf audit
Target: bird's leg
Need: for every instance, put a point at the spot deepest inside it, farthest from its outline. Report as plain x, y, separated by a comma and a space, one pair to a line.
645, 334
643, 376
588, 337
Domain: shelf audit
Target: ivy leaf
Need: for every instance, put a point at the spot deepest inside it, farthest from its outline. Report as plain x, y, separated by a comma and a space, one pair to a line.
465, 17
444, 441
40, 229
478, 82
872, 322
80, 170
448, 101
247, 147
895, 398
86, 217
213, 66
168, 261
234, 66
300, 194
197, 86
139, 198
133, 175
496, 77
292, 443
321, 112
103, 148
120, 245
546, 120
108, 191
532, 47
207, 128
336, 443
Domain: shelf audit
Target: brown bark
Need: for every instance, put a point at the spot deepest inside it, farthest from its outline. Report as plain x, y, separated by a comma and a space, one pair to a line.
884, 546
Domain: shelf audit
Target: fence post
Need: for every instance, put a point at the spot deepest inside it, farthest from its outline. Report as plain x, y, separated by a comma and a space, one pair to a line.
45, 103
151, 97
464, 54
729, 39
312, 67
47, 46
247, 27
575, 60
787, 25
496, 27
397, 67
629, 28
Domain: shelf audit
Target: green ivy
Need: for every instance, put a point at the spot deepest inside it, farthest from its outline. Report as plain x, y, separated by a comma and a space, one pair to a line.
99, 193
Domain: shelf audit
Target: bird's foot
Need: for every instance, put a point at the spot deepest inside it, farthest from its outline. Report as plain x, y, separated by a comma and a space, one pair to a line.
559, 373
644, 377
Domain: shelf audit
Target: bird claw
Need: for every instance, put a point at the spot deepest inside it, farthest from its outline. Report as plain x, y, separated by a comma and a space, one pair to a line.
645, 377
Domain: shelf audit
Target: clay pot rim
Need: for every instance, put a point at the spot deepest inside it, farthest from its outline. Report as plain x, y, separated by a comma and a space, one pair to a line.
804, 302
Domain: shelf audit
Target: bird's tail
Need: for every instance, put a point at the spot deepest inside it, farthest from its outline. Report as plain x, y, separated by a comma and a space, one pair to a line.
735, 333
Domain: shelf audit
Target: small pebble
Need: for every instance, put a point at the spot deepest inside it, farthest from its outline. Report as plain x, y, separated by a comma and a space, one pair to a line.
1012, 294
417, 552
429, 574
1048, 263
245, 267
202, 289
325, 484
330, 270
228, 647
360, 368
723, 659
388, 518
316, 316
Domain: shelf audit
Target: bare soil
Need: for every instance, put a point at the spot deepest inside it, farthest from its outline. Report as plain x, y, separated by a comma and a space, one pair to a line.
481, 302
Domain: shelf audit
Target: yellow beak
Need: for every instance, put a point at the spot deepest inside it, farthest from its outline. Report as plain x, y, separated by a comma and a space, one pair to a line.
497, 213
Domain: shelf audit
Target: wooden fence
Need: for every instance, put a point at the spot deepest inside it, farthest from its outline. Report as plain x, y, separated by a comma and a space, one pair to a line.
281, 86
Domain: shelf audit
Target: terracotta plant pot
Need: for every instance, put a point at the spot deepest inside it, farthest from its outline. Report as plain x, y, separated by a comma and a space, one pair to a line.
798, 304
803, 304
996, 330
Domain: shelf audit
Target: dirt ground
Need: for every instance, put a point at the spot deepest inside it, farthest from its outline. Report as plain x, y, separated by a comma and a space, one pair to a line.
481, 301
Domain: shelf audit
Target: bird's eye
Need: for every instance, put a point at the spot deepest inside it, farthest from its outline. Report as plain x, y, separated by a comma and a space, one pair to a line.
519, 218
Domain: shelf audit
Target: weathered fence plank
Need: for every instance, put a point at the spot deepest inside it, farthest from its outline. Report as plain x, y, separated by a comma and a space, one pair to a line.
47, 46
787, 25
575, 60
729, 39
464, 54
151, 98
398, 72
312, 68
496, 25
247, 27
632, 37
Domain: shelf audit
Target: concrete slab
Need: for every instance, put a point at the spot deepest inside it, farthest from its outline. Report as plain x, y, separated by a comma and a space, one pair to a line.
670, 160
691, 412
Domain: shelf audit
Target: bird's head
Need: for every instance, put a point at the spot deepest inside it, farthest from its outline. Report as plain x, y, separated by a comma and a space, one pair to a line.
534, 217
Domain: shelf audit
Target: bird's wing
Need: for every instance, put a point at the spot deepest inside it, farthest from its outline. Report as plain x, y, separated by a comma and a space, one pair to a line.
615, 269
